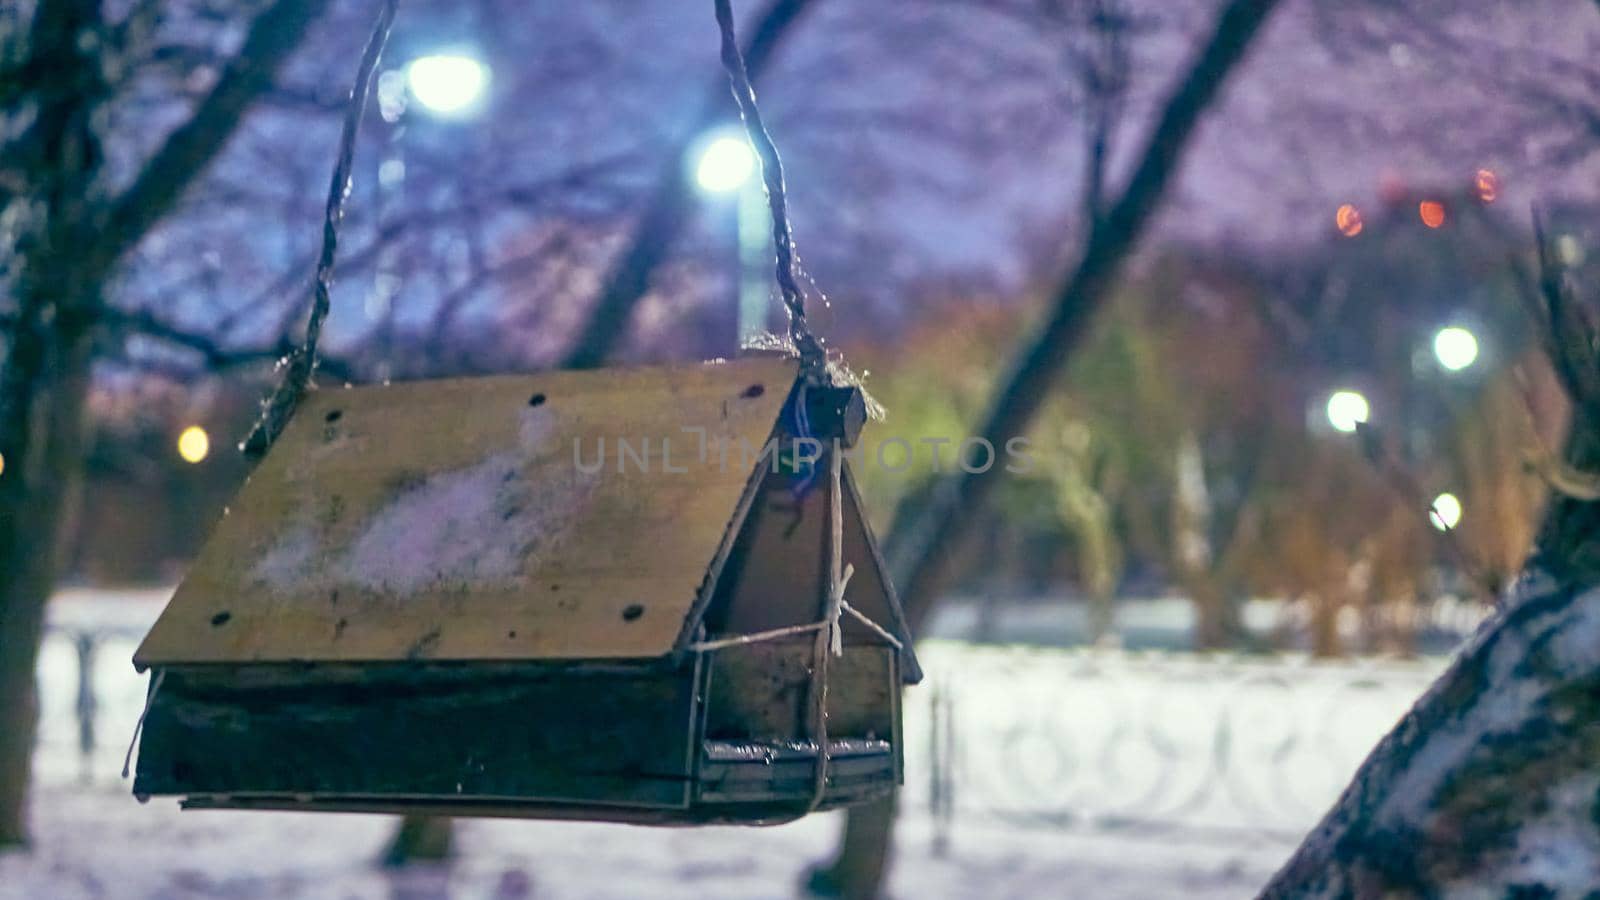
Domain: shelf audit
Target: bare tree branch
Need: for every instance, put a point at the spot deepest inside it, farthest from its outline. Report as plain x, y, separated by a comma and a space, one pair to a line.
1111, 241
932, 533
662, 219
193, 145
214, 356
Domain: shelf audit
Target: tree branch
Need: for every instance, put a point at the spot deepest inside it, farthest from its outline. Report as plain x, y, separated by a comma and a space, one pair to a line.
931, 534
213, 355
189, 149
1111, 240
662, 219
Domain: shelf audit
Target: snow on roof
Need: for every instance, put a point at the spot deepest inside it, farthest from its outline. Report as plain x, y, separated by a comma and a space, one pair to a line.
568, 515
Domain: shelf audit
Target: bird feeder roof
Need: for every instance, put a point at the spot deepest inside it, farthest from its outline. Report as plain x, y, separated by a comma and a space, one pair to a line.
480, 519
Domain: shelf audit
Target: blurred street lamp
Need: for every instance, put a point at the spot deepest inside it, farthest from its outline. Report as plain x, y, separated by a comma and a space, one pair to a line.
194, 445
1445, 513
727, 164
1347, 410
447, 84
1455, 347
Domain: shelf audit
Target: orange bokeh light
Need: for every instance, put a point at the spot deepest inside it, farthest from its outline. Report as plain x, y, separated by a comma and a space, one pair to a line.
1488, 184
1432, 213
1348, 220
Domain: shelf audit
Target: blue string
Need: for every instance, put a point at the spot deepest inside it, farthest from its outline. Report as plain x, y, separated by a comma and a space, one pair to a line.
805, 470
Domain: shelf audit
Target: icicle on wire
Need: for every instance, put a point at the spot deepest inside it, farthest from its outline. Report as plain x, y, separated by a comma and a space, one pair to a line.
794, 298
301, 363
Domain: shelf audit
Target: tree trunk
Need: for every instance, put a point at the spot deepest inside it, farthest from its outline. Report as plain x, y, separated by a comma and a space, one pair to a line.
1326, 642
37, 493
1219, 621
45, 375
420, 839
929, 541
70, 235
863, 859
1489, 786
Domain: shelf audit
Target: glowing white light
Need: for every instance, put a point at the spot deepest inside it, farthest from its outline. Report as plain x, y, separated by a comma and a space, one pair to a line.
725, 164
1570, 249
392, 95
1456, 348
194, 445
1347, 409
447, 84
391, 172
1446, 512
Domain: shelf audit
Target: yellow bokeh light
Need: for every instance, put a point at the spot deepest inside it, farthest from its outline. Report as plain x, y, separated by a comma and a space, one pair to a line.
2, 463
1432, 213
1348, 220
194, 445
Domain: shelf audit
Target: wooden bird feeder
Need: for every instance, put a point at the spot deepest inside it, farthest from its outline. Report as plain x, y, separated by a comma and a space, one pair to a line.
513, 596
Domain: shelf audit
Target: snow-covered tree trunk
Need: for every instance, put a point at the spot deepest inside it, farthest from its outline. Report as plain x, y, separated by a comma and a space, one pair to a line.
1490, 786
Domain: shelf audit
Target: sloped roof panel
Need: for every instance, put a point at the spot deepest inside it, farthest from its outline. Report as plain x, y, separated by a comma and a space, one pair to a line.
465, 519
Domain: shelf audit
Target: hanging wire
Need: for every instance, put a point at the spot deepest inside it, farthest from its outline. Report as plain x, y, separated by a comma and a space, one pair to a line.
301, 363
830, 640
814, 358
794, 297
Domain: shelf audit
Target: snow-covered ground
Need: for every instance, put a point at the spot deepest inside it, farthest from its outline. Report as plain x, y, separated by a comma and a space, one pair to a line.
99, 843
1032, 772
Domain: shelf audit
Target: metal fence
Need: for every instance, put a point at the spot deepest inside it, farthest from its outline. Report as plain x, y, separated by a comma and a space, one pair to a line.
1110, 739
1045, 738
90, 698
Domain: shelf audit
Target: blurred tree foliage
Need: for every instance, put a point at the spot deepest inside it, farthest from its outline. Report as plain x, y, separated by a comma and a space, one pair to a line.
1189, 449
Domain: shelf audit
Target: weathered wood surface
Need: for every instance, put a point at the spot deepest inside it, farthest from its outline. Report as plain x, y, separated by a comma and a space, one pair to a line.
715, 809
488, 731
1490, 786
776, 574
762, 692
871, 590
650, 744
449, 520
